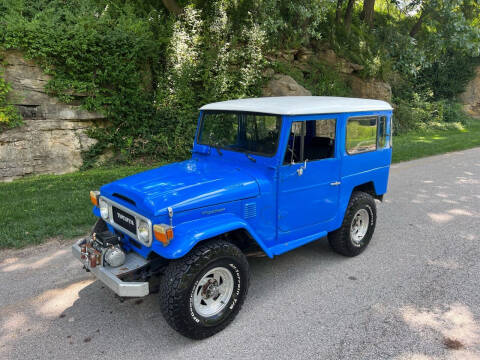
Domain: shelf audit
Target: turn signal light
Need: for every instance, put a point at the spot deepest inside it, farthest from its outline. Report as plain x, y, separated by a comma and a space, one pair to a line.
163, 233
94, 195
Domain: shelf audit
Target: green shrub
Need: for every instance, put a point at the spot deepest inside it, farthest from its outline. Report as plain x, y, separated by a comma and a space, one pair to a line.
428, 115
321, 79
9, 116
148, 71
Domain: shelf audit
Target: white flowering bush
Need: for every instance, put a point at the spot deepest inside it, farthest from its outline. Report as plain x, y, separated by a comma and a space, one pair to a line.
209, 59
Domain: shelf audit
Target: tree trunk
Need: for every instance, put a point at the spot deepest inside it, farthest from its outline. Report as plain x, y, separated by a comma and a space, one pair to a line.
368, 11
418, 25
172, 6
338, 12
348, 15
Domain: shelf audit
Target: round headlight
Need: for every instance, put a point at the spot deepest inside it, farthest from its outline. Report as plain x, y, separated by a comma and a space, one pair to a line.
103, 209
143, 231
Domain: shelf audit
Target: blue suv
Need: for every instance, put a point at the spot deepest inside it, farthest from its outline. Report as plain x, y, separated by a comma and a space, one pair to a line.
266, 175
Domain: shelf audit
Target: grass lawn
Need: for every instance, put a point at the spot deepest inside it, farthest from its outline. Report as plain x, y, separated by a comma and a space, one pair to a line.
416, 145
38, 208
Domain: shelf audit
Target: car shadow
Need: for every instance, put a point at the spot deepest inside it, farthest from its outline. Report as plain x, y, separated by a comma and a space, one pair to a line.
98, 304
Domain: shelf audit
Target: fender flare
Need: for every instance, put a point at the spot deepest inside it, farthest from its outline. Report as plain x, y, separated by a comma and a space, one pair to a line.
190, 233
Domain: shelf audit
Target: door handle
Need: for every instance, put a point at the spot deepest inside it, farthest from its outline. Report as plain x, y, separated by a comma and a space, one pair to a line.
336, 183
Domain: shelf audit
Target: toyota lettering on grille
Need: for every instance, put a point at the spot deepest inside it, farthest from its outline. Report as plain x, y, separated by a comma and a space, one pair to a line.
126, 219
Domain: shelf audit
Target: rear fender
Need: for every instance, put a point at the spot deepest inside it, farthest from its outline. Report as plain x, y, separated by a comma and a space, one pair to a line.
190, 233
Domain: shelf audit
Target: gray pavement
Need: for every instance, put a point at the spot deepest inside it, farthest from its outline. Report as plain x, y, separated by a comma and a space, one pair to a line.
415, 287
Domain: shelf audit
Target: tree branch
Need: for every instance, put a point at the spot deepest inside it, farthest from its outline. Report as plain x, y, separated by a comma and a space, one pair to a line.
172, 6
348, 15
338, 11
418, 25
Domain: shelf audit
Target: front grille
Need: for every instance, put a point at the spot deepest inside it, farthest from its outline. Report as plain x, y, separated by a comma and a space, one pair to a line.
124, 219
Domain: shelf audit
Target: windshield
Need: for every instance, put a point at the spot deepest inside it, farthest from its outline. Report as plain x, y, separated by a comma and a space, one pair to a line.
241, 131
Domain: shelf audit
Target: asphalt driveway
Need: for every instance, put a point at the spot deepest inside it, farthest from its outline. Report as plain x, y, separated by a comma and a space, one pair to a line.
414, 294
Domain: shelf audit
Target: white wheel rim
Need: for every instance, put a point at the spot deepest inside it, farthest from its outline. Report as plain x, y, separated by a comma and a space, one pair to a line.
213, 292
359, 226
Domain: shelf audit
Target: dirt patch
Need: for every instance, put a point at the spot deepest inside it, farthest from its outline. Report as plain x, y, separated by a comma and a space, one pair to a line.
46, 247
453, 344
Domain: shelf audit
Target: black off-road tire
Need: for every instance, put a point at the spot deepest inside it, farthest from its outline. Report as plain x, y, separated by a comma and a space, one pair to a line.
180, 280
341, 240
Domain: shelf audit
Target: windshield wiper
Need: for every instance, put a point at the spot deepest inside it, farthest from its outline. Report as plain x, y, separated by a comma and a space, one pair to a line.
216, 147
251, 158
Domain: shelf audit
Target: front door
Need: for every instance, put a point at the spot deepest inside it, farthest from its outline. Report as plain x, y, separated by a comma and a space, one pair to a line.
309, 176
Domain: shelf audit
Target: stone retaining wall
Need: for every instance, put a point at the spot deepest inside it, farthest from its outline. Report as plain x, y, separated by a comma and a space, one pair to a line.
53, 135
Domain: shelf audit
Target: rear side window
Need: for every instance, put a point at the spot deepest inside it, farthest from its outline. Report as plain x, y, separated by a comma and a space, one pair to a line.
382, 132
361, 134
391, 131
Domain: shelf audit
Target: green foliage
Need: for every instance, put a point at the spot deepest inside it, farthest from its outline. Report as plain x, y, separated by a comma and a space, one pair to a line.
321, 79
145, 70
440, 59
9, 116
148, 71
419, 114
208, 59
291, 23
104, 50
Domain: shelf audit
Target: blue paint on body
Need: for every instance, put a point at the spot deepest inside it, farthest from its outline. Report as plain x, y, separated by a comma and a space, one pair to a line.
217, 192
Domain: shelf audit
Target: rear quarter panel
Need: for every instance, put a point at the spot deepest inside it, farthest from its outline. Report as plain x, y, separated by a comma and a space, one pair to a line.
358, 169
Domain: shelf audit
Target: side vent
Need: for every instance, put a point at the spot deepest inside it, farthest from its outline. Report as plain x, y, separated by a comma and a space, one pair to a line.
250, 210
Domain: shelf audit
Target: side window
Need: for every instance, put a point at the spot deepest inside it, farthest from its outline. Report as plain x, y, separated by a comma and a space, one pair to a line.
391, 131
361, 134
382, 132
311, 140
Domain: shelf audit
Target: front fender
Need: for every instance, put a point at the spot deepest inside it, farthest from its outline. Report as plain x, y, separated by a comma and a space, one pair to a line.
190, 233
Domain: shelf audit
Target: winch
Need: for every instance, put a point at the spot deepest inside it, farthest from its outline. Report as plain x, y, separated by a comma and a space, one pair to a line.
103, 247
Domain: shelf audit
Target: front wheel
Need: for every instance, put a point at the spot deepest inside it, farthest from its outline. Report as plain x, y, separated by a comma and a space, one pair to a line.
357, 227
202, 292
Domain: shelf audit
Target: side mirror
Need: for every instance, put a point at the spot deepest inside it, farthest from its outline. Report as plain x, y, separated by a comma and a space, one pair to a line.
302, 168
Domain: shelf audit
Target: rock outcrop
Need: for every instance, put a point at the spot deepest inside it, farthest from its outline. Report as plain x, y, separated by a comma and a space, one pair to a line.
343, 66
281, 85
470, 98
370, 89
53, 135
284, 85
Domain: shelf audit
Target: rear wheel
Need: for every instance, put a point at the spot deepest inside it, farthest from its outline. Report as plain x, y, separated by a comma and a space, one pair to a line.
358, 226
203, 292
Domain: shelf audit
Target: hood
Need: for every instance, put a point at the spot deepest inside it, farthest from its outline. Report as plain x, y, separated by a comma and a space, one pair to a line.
183, 186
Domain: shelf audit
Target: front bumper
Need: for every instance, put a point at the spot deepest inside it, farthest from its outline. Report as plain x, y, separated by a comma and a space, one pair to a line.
110, 276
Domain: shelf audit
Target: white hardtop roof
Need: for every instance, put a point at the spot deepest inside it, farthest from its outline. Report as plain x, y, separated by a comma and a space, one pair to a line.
300, 105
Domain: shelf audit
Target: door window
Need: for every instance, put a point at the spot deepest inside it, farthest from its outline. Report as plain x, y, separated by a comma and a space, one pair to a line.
361, 134
311, 140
